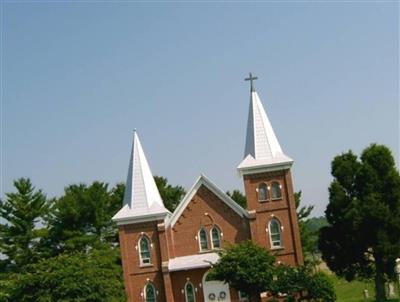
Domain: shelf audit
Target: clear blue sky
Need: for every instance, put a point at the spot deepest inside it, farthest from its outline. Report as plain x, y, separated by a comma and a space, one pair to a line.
79, 77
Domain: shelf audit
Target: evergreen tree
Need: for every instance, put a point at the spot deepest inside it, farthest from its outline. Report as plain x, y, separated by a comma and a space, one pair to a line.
20, 231
307, 236
171, 195
239, 197
363, 238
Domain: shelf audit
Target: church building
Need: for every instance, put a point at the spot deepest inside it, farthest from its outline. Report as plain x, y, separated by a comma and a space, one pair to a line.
166, 256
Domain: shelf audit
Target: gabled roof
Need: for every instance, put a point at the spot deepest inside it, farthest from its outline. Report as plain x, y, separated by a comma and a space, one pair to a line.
142, 201
262, 148
203, 180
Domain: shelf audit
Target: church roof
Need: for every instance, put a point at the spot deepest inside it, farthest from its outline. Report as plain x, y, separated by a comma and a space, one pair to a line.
192, 261
262, 150
142, 201
203, 180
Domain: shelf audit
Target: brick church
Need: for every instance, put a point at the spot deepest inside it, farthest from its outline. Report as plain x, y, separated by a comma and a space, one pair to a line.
166, 256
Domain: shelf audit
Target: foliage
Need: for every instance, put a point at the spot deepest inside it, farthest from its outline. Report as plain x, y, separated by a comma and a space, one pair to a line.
307, 240
246, 267
81, 218
171, 195
91, 277
295, 281
238, 196
314, 224
72, 257
319, 286
363, 238
252, 270
20, 212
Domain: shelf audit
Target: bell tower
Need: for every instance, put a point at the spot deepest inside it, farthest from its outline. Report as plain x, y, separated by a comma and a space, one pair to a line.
266, 173
142, 233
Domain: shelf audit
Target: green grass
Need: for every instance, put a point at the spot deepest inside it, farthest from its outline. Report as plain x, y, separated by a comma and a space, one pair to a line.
353, 291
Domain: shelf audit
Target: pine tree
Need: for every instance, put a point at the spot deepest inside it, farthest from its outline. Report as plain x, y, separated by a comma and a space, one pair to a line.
20, 231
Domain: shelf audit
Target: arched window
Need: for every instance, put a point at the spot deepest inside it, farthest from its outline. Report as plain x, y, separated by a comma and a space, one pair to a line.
275, 233
215, 238
276, 190
203, 240
263, 194
190, 295
149, 293
144, 250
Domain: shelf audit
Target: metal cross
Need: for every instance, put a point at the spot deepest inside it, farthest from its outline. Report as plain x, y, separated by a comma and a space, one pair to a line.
251, 79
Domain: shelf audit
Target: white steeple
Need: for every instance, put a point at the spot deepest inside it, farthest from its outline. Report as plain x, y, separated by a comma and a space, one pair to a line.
142, 201
262, 151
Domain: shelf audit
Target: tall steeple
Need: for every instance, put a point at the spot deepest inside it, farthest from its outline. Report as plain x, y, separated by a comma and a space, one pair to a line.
142, 201
262, 151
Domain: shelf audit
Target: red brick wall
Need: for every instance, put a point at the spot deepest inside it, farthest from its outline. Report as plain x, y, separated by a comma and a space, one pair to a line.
136, 276
282, 209
206, 210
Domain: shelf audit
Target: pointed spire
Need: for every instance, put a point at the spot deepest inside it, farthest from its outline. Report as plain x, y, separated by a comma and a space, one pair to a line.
262, 148
142, 201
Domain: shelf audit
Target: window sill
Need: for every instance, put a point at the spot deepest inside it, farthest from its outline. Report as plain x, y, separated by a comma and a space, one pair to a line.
144, 265
276, 199
205, 251
263, 201
277, 248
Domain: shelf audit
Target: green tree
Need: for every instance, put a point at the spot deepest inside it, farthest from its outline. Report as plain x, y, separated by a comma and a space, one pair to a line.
246, 267
238, 196
81, 218
21, 214
363, 238
84, 277
301, 284
307, 236
171, 195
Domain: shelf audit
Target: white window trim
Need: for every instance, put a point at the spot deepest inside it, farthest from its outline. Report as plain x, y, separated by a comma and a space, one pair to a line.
270, 234
194, 291
208, 245
219, 237
140, 250
154, 290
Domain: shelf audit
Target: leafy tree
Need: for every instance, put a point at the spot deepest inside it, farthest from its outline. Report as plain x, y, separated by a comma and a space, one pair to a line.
81, 218
171, 195
238, 196
252, 270
363, 238
19, 234
246, 267
319, 288
298, 283
94, 276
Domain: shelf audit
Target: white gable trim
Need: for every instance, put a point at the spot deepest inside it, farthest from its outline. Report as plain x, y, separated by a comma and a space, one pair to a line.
203, 180
141, 218
264, 168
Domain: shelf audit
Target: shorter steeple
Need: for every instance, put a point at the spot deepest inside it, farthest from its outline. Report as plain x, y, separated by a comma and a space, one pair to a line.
142, 201
262, 151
